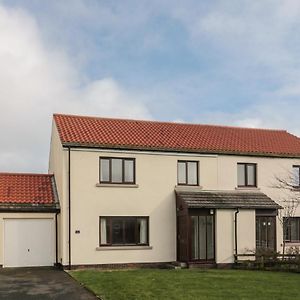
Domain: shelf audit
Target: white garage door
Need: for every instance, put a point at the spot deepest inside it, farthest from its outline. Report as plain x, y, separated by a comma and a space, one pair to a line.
28, 242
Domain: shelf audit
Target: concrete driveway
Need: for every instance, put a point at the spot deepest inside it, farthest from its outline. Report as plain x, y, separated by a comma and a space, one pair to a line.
40, 283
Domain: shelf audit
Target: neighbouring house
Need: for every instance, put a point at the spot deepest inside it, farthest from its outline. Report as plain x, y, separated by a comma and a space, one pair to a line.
146, 192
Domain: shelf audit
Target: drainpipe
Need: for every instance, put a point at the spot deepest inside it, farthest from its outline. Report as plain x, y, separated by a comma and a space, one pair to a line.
69, 203
56, 240
236, 235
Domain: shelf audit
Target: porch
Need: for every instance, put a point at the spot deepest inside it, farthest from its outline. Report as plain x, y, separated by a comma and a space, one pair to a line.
214, 226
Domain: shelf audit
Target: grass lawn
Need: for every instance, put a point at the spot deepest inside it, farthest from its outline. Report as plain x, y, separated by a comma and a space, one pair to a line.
190, 284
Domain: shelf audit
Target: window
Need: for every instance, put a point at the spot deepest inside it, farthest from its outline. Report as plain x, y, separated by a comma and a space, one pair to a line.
296, 176
291, 229
187, 172
118, 231
246, 175
117, 170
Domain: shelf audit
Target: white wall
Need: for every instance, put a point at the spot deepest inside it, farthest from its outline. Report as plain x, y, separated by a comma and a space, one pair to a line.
156, 176
58, 165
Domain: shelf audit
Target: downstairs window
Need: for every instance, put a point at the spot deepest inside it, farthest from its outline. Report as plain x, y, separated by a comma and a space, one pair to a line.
124, 231
291, 229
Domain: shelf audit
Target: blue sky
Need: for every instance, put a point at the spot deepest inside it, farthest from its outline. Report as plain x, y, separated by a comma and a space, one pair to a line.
222, 62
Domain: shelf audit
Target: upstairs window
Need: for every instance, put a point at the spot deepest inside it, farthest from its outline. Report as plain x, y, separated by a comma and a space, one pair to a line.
117, 170
296, 176
246, 175
187, 172
124, 231
291, 229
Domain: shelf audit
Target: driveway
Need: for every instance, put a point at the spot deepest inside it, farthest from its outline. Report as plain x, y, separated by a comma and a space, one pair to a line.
40, 283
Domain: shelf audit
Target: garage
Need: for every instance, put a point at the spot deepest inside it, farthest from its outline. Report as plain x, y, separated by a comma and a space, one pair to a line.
29, 242
29, 212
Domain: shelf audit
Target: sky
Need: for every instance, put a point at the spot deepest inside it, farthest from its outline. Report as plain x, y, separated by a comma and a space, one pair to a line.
221, 62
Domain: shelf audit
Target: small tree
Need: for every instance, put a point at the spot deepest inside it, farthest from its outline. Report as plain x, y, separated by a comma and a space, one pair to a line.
289, 200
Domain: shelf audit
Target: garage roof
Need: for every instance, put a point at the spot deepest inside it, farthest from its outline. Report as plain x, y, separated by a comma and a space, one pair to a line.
226, 199
28, 192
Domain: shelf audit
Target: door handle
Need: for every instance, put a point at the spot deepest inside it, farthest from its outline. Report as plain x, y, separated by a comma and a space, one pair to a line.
28, 250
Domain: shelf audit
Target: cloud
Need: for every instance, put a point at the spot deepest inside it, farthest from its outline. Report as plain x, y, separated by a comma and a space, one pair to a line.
38, 79
255, 47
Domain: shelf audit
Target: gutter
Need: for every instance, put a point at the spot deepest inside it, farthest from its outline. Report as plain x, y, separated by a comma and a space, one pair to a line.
177, 150
235, 235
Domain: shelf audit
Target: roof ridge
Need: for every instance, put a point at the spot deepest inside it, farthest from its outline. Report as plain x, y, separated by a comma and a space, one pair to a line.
169, 122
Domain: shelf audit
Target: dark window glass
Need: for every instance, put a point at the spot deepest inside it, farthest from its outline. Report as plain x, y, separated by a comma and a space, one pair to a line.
117, 170
291, 229
246, 174
266, 232
124, 230
117, 231
129, 231
187, 172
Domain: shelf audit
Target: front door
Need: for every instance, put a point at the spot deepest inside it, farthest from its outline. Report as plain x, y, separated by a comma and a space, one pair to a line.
266, 232
202, 238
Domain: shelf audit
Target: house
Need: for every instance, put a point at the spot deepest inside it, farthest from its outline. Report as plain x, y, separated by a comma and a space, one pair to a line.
146, 192
150, 192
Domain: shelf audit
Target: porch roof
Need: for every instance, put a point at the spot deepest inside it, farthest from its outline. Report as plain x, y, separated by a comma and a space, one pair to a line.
226, 199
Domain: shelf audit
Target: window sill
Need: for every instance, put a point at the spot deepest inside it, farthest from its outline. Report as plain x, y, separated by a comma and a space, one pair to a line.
247, 188
104, 248
121, 185
188, 187
296, 243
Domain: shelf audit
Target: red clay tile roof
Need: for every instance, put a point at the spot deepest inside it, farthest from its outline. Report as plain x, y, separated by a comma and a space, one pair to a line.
22, 189
152, 135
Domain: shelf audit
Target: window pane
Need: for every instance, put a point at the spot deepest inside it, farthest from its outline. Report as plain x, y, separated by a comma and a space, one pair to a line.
116, 165
210, 237
195, 237
251, 174
129, 228
105, 231
296, 177
286, 229
128, 171
295, 229
117, 231
202, 237
104, 170
142, 231
181, 173
241, 175
192, 173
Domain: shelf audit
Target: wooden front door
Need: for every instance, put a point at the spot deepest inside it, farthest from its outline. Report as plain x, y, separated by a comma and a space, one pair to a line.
266, 232
202, 238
